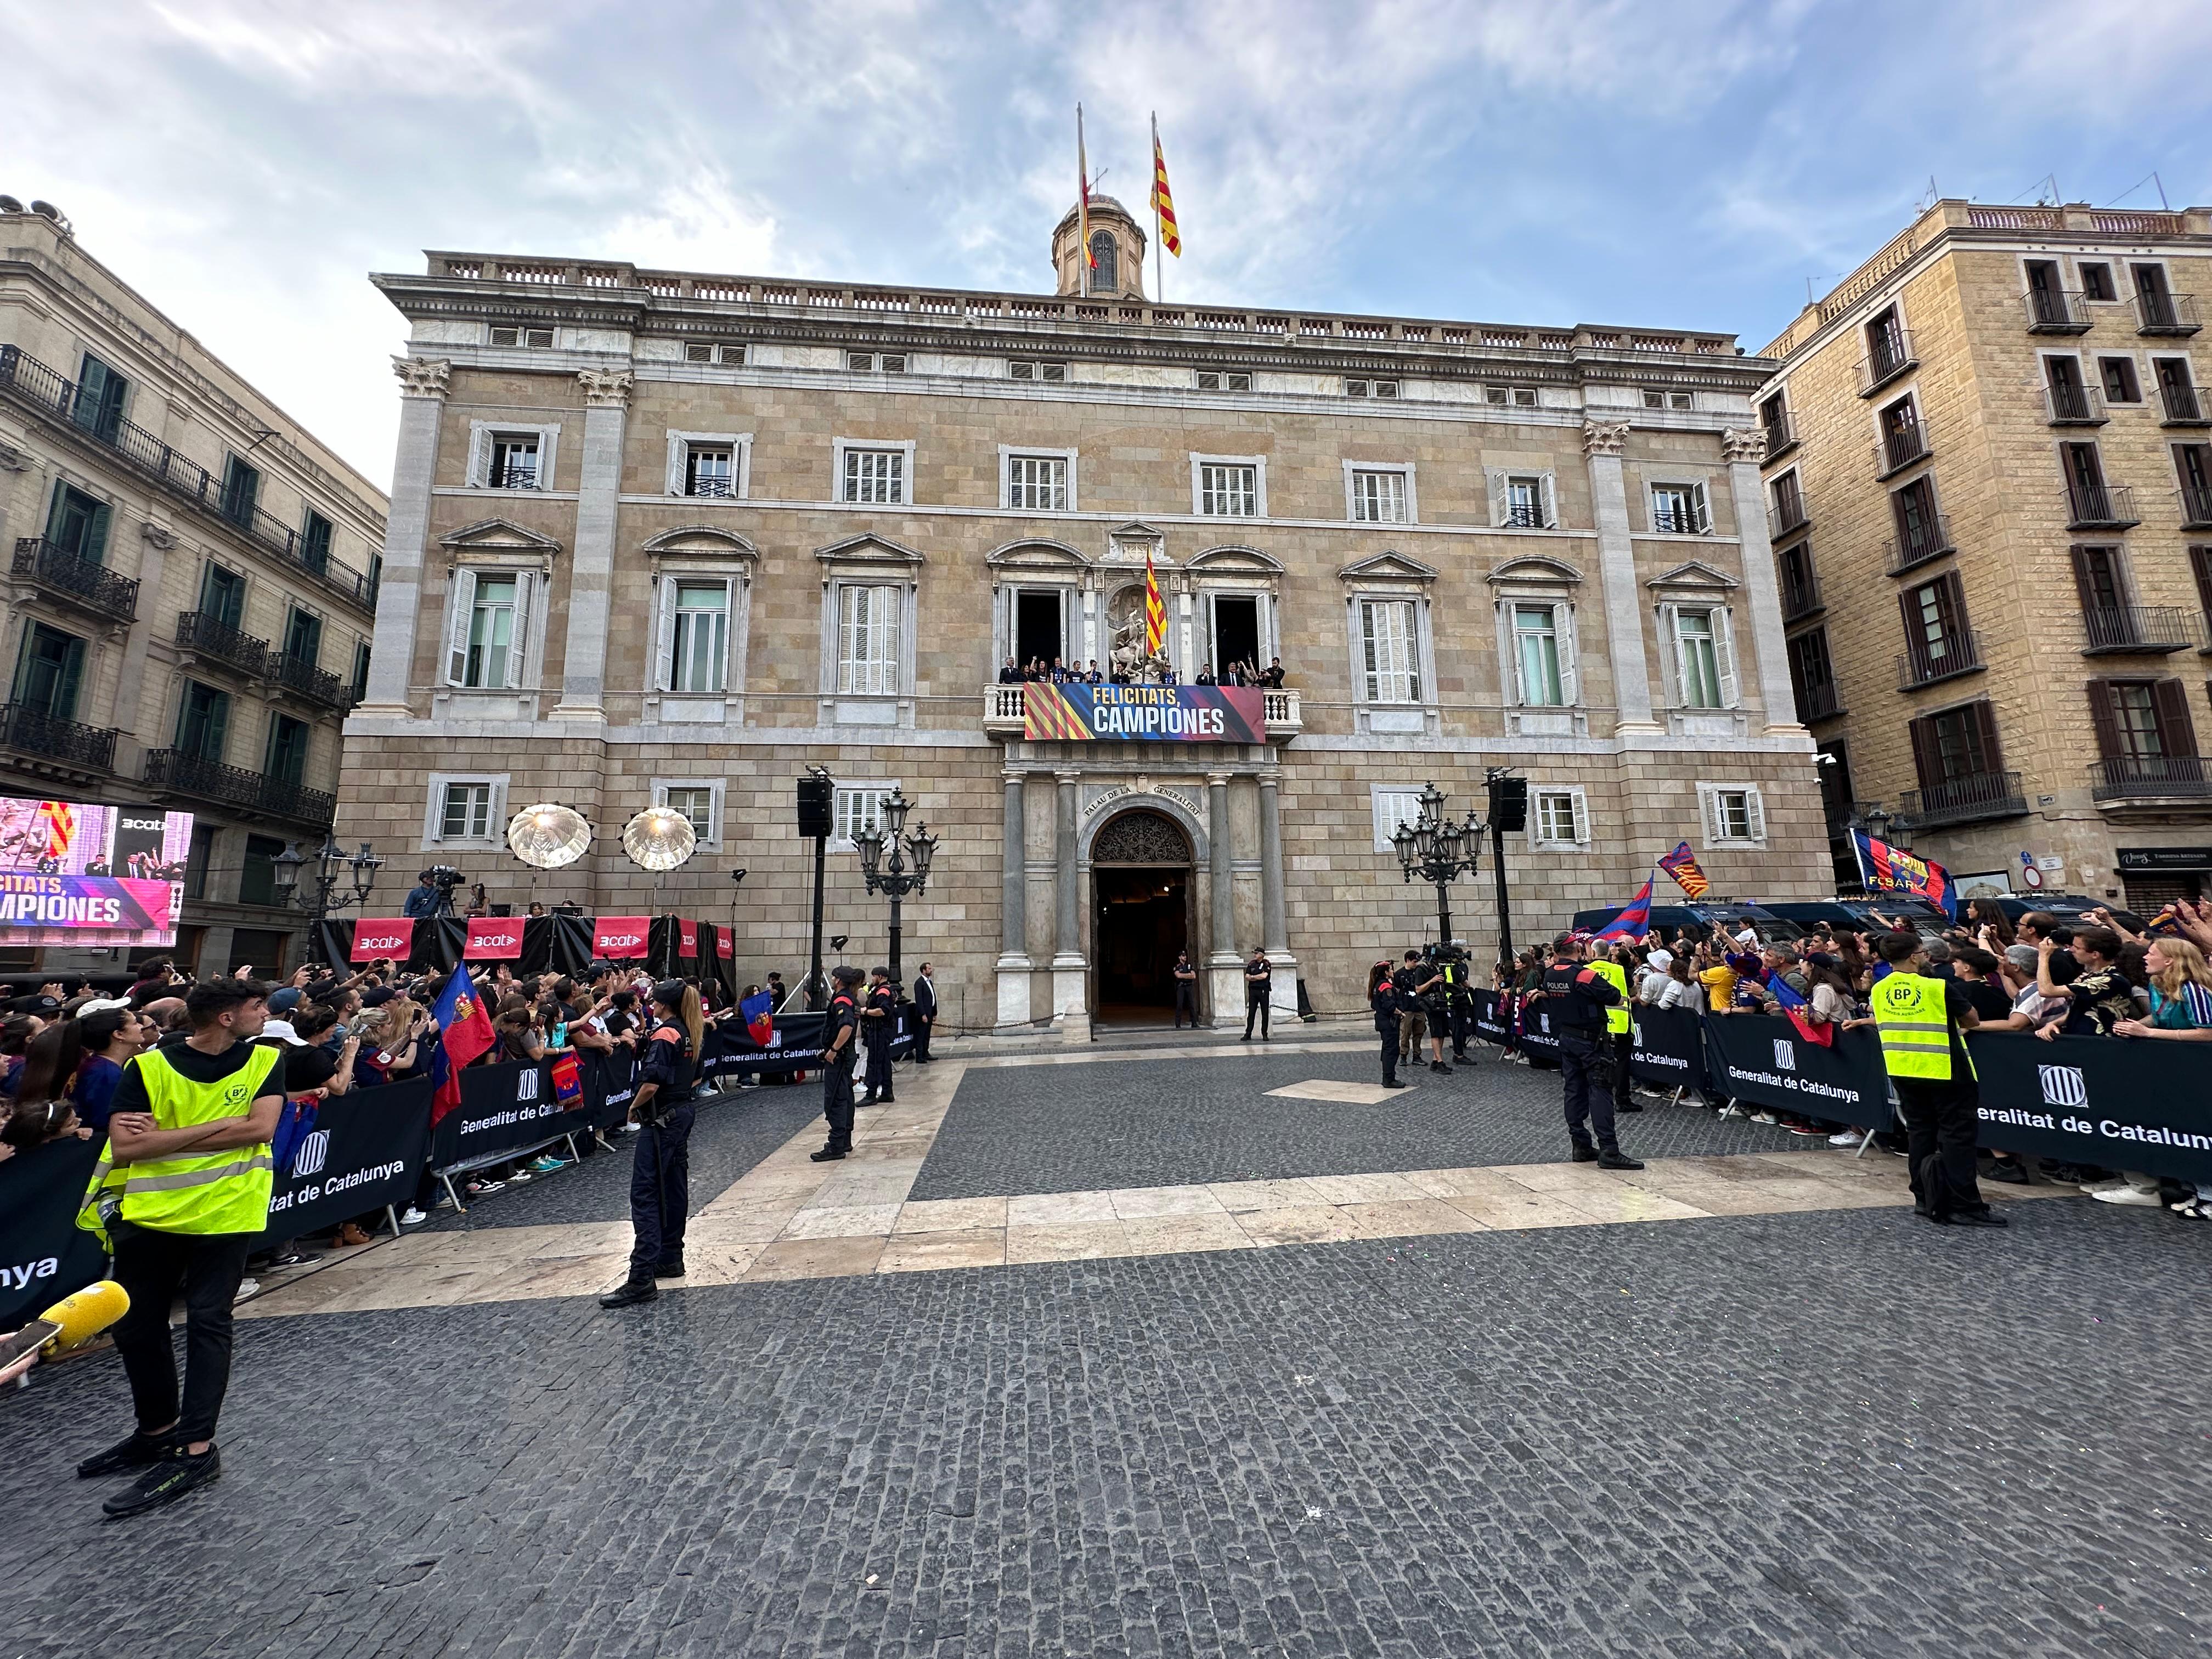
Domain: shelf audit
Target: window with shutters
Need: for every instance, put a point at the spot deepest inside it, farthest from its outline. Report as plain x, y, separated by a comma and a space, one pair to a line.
1526, 497
465, 810
242, 491
855, 808
2105, 616
203, 721
1955, 744
709, 470
1678, 509
1537, 656
1904, 437
49, 672
2097, 282
2193, 466
2200, 566
2120, 381
222, 595
1389, 661
2146, 740
77, 525
1922, 533
315, 533
491, 611
285, 759
694, 635
875, 476
303, 636
1391, 805
1559, 820
1937, 642
1734, 814
98, 403
701, 803
1378, 496
1811, 680
868, 641
1697, 645
514, 462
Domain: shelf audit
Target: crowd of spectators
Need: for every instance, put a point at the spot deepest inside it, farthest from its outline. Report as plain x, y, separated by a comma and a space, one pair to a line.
1159, 671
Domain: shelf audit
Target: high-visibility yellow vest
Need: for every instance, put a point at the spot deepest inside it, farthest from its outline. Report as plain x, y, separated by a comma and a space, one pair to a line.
221, 1192
1916, 1034
1616, 1019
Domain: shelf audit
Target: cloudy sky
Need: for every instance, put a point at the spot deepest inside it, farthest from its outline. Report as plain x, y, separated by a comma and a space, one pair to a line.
1678, 162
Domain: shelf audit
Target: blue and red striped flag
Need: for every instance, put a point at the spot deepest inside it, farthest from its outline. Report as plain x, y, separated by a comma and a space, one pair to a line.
1634, 921
759, 1012
1886, 869
1794, 1005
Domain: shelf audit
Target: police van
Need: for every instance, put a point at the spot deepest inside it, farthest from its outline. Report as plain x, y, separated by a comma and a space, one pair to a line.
1673, 921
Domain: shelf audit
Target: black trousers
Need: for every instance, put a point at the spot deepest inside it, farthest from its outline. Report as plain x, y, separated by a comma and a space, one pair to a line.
838, 1100
879, 1070
922, 1026
1462, 1026
1939, 1142
150, 1265
1255, 1002
1388, 1028
1623, 1046
1185, 1001
1588, 1096
660, 1190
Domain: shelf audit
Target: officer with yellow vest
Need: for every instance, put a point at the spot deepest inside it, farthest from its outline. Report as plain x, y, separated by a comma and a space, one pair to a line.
181, 1193
1920, 1020
1620, 1037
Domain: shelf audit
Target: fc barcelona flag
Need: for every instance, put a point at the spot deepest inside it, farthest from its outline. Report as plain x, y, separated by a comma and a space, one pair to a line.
1682, 865
1886, 869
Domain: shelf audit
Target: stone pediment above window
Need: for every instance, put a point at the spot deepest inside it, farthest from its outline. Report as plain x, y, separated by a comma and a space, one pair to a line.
1037, 555
1131, 543
869, 550
1533, 572
1694, 577
701, 545
1388, 568
1235, 562
500, 541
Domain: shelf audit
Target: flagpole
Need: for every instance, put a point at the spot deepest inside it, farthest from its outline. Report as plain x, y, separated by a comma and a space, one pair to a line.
1082, 210
1159, 251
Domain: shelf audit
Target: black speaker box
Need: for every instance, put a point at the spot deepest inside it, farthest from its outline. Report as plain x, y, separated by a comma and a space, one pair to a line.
814, 807
1508, 803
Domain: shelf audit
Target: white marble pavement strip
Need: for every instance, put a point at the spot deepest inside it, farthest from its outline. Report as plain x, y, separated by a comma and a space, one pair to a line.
791, 1219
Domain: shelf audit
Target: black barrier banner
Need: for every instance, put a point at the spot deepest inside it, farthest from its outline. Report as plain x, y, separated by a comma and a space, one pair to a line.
1490, 1024
796, 1046
611, 1084
365, 1151
1670, 1047
505, 1111
1764, 1060
2117, 1102
44, 1254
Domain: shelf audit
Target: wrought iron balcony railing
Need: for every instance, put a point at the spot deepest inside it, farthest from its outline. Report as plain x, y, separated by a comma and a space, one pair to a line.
2138, 777
2053, 311
1900, 447
511, 474
1781, 430
2166, 313
2140, 628
2196, 506
1971, 797
1926, 661
187, 773
1888, 356
717, 488
1787, 516
1819, 702
211, 637
1930, 539
2076, 406
34, 731
91, 587
316, 684
2183, 404
1801, 591
57, 399
2101, 507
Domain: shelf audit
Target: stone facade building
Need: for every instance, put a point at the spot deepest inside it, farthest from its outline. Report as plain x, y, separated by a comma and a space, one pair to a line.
192, 589
667, 537
1989, 477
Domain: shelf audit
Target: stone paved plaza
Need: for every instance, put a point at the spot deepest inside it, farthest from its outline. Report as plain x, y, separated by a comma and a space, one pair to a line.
1130, 1356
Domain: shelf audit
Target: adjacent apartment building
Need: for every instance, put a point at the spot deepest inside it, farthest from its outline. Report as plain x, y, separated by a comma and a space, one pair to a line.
671, 537
1989, 474
192, 589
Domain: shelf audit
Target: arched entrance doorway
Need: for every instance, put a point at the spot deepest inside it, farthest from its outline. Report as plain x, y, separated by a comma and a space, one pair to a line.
1140, 876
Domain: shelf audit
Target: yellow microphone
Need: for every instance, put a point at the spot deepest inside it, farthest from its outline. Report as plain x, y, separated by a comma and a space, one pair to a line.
85, 1315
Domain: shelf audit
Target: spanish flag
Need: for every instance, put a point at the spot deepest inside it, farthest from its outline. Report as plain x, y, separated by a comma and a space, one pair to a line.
1162, 201
1156, 613
1083, 196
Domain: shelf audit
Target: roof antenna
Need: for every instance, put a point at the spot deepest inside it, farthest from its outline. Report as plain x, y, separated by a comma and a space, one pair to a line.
1930, 199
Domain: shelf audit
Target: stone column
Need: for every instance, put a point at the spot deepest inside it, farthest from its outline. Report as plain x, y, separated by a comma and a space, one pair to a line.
1744, 450
591, 564
422, 384
1070, 1002
1282, 987
1013, 910
1225, 967
1603, 442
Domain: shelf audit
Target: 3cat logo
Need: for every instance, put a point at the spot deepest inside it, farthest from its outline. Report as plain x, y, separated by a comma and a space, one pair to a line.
314, 1151
2063, 1086
1785, 1055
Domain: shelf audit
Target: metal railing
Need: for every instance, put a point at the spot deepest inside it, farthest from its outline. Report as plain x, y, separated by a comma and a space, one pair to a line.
58, 398
93, 586
1787, 516
1800, 587
511, 474
1930, 539
2166, 313
1781, 432
315, 684
2099, 507
1900, 448
1967, 798
2183, 404
1679, 521
2053, 311
1524, 515
1004, 711
2132, 777
1819, 702
210, 636
34, 731
2075, 405
1926, 661
2144, 627
718, 489
2196, 506
1888, 356
192, 774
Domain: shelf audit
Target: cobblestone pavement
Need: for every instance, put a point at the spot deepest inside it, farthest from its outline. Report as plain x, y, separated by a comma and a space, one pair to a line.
1835, 1431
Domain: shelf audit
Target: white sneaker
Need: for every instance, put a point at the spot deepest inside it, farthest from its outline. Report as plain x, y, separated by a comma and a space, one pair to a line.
2109, 1184
2134, 1195
1849, 1138
1764, 1117
411, 1216
246, 1287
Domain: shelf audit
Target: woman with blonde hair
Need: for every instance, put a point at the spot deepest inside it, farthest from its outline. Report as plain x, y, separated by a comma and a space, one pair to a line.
2180, 995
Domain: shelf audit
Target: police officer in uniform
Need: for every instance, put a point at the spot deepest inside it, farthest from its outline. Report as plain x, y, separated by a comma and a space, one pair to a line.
878, 1024
1577, 997
1387, 1001
660, 1170
1459, 999
1920, 1018
838, 1028
1619, 1036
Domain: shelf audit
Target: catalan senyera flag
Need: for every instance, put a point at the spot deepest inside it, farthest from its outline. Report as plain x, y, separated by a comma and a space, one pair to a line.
1156, 613
1682, 865
1162, 201
60, 820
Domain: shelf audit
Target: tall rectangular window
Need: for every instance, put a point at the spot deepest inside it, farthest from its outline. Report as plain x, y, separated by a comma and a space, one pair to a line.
876, 476
77, 525
491, 632
1037, 484
303, 637
197, 858
1389, 667
286, 760
242, 491
1228, 490
465, 812
360, 670
856, 808
257, 877
1697, 657
203, 721
1378, 497
1526, 507
222, 595
514, 461
701, 640
1678, 509
315, 533
98, 404
709, 470
49, 672
868, 640
1536, 654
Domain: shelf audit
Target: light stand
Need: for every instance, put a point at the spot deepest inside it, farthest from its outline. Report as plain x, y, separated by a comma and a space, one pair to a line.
1493, 778
1439, 851
332, 867
892, 877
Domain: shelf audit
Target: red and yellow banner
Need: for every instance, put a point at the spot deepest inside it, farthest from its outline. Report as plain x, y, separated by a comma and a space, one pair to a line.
1163, 202
1156, 612
1143, 714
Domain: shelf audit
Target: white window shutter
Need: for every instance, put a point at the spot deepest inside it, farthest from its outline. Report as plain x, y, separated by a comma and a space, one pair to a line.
1670, 657
1518, 687
1755, 813
479, 456
1708, 809
1724, 655
1499, 497
463, 602
1551, 511
1701, 514
679, 460
1562, 622
1582, 817
517, 644
664, 636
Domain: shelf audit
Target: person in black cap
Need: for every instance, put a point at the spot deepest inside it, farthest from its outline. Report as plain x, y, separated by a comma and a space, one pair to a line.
1577, 998
1388, 1002
879, 1022
661, 1176
837, 1030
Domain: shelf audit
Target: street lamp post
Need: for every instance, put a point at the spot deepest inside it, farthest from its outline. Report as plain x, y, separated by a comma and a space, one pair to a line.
894, 876
1439, 851
333, 868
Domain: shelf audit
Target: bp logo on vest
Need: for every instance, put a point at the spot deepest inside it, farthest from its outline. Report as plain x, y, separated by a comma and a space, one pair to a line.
2063, 1086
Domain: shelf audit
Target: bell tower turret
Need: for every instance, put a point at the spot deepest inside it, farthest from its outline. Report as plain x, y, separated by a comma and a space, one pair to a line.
1117, 247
